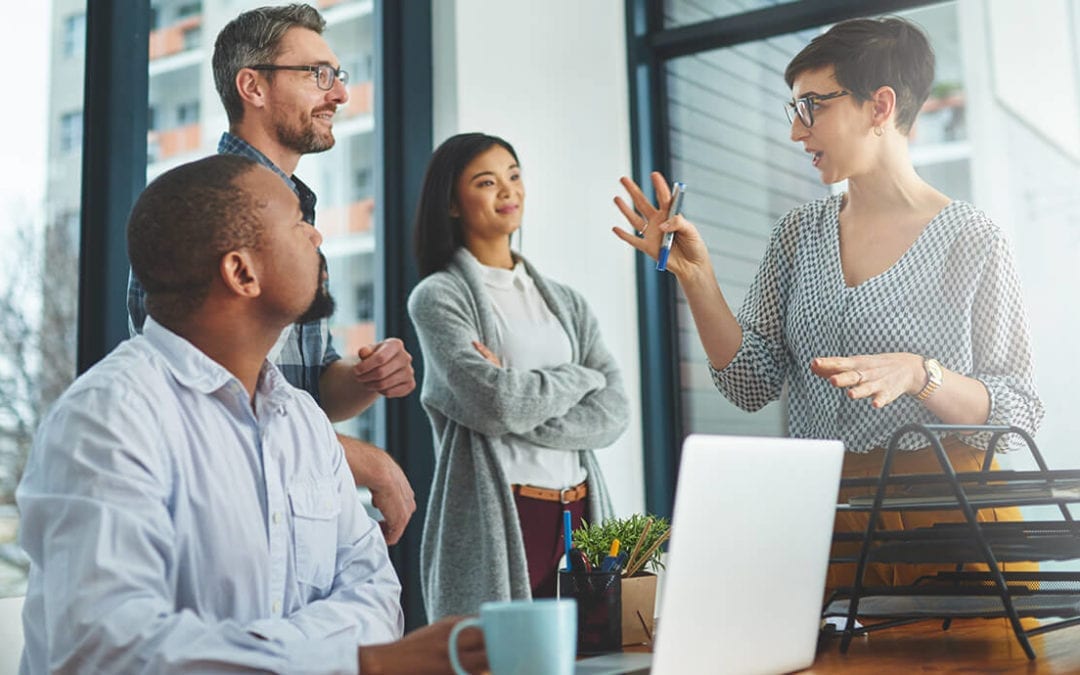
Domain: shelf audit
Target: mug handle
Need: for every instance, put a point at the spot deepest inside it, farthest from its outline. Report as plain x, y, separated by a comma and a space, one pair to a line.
461, 625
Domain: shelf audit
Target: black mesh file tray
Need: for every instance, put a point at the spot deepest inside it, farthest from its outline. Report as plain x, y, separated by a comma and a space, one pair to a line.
976, 586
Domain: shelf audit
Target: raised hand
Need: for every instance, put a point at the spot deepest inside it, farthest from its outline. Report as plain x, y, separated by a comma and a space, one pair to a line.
649, 223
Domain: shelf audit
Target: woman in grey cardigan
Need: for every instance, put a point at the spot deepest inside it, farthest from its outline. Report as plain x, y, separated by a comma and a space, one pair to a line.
517, 384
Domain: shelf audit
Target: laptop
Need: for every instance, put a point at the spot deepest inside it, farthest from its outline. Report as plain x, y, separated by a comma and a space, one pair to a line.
745, 568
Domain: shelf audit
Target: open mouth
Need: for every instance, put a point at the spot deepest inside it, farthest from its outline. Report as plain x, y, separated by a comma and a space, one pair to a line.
817, 157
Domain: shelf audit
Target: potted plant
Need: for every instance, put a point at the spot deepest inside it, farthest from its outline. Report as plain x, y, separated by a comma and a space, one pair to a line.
640, 539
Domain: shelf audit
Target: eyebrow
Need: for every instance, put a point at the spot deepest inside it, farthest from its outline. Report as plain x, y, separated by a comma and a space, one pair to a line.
491, 173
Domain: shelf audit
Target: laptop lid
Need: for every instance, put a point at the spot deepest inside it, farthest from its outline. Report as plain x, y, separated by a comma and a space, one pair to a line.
745, 568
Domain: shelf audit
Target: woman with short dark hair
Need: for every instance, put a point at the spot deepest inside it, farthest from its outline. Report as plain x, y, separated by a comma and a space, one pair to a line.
517, 383
887, 304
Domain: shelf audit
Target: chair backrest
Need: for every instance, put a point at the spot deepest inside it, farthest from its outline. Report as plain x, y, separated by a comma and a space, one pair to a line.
11, 634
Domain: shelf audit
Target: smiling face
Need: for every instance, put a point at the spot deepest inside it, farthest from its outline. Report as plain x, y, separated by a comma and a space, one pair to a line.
839, 142
301, 113
489, 196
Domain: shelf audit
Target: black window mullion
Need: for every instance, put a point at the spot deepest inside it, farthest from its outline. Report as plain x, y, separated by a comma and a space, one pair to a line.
113, 167
403, 113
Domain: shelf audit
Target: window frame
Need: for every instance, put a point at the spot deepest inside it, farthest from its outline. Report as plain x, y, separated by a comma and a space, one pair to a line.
649, 47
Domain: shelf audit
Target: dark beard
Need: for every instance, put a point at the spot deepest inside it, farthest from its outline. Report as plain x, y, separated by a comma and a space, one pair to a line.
304, 140
323, 305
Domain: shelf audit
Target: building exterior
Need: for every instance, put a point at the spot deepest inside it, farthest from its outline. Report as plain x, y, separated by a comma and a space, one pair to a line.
185, 119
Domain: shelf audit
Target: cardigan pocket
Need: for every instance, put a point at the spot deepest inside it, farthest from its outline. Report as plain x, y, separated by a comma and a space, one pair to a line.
315, 511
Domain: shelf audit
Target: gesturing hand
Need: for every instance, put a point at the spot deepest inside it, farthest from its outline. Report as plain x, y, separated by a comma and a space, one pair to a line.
885, 377
386, 367
650, 223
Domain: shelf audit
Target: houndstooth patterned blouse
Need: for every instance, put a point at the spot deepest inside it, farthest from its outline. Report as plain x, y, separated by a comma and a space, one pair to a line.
954, 296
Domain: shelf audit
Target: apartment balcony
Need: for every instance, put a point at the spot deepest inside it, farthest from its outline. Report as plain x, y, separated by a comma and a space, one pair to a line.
341, 221
361, 99
161, 145
354, 336
179, 37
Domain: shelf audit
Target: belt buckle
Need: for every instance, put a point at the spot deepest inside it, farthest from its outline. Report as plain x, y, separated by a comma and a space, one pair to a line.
562, 496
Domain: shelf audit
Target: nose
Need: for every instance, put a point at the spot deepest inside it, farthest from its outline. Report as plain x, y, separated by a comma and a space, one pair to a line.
338, 93
799, 131
315, 236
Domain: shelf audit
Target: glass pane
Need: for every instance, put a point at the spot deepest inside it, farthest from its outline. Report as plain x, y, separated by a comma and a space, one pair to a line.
39, 223
683, 12
188, 119
730, 142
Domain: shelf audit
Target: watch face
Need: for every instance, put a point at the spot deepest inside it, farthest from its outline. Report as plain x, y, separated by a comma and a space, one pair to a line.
933, 370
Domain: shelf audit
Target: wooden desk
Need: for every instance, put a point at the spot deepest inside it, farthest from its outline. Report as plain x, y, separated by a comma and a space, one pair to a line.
969, 646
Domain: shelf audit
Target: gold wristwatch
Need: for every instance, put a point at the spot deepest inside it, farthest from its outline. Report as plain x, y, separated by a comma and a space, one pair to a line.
934, 376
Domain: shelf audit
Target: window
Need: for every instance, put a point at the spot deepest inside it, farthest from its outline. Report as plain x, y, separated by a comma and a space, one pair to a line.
40, 259
71, 128
189, 9
341, 177
192, 37
187, 113
74, 40
989, 133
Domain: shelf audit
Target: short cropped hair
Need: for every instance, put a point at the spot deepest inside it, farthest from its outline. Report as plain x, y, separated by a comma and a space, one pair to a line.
181, 226
254, 38
436, 233
871, 53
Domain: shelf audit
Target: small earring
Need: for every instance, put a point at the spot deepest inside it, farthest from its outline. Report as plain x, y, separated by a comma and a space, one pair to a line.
878, 131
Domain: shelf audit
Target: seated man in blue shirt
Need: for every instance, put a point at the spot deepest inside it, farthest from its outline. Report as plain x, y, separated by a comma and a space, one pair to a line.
184, 508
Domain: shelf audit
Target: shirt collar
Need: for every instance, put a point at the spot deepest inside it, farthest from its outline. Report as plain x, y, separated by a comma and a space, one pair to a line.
197, 371
497, 277
231, 144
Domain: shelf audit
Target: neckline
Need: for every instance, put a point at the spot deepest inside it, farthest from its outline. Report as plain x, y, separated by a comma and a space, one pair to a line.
901, 263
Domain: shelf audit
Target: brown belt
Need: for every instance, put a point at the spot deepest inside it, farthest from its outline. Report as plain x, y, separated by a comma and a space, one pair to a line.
567, 496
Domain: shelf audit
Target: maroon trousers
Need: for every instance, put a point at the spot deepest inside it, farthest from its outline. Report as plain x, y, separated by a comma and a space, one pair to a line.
542, 530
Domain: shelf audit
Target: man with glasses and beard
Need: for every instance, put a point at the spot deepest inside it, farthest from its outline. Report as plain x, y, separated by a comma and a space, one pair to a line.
281, 84
186, 509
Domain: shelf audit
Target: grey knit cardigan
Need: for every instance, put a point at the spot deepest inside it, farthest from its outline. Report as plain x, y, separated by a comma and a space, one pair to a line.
472, 550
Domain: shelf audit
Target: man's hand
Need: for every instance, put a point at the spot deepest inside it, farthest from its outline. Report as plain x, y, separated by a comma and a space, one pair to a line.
386, 367
426, 651
391, 493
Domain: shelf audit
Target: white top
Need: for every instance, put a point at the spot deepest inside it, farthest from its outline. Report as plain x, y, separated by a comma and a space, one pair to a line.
530, 337
174, 526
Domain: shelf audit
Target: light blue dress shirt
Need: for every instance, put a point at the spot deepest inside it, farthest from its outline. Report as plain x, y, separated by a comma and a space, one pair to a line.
175, 526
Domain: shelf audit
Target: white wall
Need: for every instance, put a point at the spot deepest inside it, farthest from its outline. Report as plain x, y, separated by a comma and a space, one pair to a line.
551, 78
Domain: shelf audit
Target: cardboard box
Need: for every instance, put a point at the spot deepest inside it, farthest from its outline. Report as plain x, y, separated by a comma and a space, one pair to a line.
638, 598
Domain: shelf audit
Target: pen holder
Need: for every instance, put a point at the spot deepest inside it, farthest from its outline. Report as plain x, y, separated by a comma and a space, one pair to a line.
599, 605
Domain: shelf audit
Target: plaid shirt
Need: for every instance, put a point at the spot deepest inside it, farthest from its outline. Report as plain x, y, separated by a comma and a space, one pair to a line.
309, 350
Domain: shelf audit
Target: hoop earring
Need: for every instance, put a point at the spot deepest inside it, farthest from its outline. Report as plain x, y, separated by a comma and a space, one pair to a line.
878, 131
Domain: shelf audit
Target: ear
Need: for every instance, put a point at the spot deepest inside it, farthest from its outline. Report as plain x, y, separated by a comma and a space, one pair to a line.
455, 212
251, 87
237, 272
883, 105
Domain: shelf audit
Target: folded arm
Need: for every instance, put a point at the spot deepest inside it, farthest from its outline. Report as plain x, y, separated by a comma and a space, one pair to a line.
470, 390
598, 419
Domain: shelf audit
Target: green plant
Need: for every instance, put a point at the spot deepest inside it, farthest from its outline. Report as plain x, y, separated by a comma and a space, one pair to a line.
594, 540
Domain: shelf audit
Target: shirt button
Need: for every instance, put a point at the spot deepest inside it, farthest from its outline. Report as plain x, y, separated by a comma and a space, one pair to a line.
277, 517
277, 607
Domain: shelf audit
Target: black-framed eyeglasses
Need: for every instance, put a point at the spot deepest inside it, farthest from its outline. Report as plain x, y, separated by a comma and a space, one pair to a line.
804, 107
324, 75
